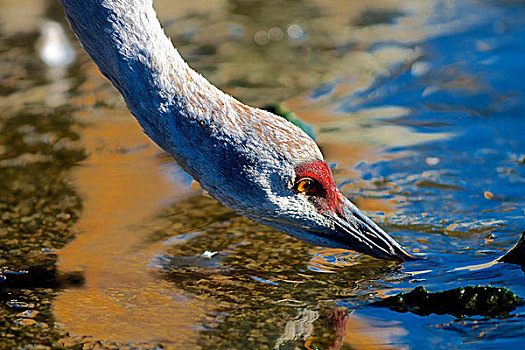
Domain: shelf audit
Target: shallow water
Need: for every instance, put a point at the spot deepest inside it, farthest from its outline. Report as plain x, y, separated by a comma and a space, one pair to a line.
418, 106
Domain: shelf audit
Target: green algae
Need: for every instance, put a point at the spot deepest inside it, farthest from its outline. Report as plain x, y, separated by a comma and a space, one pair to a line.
459, 302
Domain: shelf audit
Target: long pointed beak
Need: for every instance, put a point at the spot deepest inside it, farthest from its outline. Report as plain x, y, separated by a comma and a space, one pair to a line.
361, 234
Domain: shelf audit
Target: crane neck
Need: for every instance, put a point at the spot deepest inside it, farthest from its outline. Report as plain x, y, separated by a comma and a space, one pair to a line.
126, 41
204, 129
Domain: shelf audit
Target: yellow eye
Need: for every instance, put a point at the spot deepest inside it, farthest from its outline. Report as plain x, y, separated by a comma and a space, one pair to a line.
306, 184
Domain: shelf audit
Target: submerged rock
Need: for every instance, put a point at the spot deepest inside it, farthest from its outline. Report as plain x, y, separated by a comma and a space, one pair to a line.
459, 302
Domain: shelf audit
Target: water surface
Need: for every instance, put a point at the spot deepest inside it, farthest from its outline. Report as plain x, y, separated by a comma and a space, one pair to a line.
417, 105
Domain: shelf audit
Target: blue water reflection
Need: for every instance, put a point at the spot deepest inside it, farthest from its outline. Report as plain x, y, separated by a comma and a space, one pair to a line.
465, 193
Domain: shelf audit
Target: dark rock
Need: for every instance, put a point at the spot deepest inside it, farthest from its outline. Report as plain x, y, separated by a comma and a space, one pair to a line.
459, 302
516, 255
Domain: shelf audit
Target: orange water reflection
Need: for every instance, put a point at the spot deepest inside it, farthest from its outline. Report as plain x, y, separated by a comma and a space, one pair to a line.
363, 334
123, 186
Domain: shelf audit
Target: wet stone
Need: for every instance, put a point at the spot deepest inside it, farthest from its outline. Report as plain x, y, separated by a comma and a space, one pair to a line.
25, 322
20, 304
28, 314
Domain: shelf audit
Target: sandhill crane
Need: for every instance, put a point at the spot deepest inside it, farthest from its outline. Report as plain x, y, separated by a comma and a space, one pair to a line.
254, 162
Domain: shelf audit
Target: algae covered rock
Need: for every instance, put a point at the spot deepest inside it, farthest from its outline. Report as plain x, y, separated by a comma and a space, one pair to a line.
459, 302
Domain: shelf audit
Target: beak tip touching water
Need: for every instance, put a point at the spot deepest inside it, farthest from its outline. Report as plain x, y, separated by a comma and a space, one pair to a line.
361, 234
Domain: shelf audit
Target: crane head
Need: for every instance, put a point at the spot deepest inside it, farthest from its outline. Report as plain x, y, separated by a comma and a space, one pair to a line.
268, 169
310, 207
298, 197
